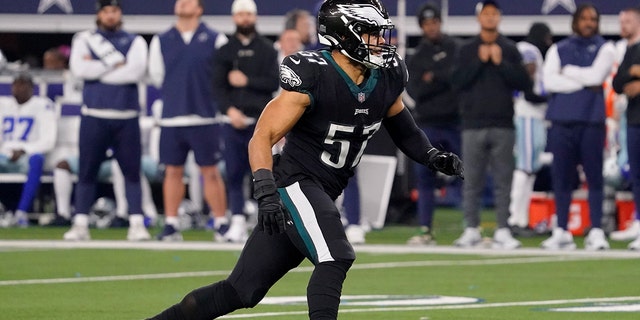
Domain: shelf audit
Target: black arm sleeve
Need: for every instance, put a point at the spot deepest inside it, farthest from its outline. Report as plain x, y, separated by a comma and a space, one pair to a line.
221, 87
623, 77
408, 137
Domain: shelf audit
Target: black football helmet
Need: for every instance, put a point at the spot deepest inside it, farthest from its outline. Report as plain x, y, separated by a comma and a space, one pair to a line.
342, 23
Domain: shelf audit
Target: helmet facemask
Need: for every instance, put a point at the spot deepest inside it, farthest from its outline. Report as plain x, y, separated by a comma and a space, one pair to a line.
368, 51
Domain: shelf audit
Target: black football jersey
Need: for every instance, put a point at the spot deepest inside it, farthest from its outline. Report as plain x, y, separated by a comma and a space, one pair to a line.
329, 139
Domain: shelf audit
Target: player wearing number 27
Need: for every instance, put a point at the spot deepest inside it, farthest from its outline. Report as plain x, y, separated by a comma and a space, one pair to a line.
28, 133
331, 104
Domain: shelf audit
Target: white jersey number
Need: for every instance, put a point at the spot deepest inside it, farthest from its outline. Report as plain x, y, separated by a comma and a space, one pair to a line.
345, 144
314, 57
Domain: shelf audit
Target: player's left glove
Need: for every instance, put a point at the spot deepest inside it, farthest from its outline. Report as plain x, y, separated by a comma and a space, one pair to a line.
272, 216
446, 162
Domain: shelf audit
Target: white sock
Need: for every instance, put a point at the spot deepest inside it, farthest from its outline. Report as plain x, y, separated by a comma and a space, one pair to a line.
218, 221
117, 178
238, 219
172, 221
521, 190
148, 207
81, 220
136, 220
63, 187
20, 214
195, 184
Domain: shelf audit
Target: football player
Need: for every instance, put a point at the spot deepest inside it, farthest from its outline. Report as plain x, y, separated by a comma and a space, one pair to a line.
331, 104
29, 129
531, 133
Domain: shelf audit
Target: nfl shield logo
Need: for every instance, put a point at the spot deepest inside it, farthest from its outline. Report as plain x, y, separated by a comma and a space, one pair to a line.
361, 97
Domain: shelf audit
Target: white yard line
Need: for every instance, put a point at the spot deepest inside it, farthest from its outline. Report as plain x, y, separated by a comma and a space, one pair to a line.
447, 307
357, 266
388, 249
116, 278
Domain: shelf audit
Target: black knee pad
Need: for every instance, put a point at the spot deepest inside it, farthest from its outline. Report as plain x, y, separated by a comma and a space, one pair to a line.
250, 293
211, 301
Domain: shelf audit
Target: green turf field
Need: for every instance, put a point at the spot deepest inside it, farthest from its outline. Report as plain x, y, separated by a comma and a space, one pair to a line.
107, 279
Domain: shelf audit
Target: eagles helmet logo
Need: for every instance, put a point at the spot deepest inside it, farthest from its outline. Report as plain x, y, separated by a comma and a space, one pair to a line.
287, 75
362, 12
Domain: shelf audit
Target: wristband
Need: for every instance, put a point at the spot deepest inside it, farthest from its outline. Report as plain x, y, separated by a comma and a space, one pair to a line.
263, 184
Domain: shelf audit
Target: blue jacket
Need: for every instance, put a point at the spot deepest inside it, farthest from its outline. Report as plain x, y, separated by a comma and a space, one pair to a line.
99, 95
188, 86
585, 105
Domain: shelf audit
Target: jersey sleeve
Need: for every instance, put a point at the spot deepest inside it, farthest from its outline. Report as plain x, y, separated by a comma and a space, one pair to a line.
528, 52
82, 68
399, 75
298, 73
47, 128
156, 66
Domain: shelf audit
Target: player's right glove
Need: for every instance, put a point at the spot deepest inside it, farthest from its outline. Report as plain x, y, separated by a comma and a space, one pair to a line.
272, 216
446, 162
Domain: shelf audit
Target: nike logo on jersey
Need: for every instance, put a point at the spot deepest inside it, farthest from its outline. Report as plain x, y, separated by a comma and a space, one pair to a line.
294, 60
361, 111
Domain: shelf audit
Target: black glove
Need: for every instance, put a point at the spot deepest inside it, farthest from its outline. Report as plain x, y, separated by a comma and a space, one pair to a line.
272, 215
445, 162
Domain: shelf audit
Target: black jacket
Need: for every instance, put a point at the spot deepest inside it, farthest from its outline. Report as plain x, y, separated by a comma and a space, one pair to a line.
631, 57
259, 61
436, 103
486, 90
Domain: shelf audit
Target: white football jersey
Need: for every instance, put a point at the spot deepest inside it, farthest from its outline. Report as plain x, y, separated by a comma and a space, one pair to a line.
531, 54
31, 127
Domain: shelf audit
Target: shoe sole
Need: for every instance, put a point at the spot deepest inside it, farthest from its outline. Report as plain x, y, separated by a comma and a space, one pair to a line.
227, 238
625, 237
468, 245
498, 245
599, 248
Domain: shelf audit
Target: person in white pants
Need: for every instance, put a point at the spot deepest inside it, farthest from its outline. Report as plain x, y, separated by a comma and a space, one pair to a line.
530, 107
